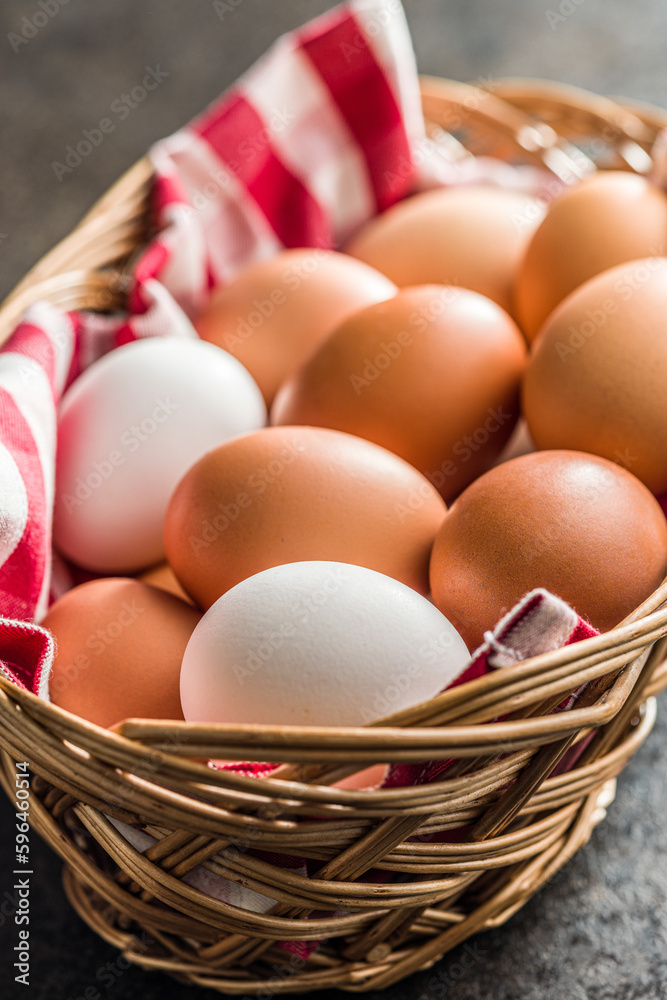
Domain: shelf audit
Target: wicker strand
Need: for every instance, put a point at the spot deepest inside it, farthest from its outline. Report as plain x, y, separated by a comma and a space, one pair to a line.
444, 882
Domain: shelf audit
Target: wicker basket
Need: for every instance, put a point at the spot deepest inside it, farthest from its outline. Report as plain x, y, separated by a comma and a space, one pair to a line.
524, 825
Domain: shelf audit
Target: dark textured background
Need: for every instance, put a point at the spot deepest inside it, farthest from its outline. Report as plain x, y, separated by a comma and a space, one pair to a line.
599, 930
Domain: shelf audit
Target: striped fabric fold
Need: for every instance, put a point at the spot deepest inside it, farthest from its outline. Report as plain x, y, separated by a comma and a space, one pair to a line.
319, 135
293, 155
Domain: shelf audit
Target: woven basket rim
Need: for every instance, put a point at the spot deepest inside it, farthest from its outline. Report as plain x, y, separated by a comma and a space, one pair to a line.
190, 736
149, 772
129, 192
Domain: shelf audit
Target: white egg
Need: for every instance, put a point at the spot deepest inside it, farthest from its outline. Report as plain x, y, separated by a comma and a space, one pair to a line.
129, 428
317, 644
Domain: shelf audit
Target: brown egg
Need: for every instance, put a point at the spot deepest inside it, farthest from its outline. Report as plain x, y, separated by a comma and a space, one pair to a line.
162, 576
578, 525
473, 237
604, 220
597, 377
119, 649
277, 311
291, 494
433, 375
370, 777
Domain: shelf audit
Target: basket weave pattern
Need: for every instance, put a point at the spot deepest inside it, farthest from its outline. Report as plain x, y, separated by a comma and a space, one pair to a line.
520, 825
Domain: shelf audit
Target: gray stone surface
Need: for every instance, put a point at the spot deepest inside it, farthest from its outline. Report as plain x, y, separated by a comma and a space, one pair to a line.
599, 930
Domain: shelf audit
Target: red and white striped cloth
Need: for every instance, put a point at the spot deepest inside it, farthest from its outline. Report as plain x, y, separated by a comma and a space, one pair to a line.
539, 623
310, 143
321, 134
